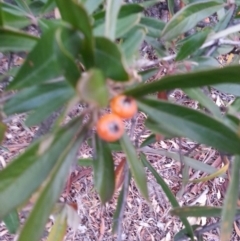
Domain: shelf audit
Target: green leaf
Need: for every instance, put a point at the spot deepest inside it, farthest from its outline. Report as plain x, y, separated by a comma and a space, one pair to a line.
193, 163
92, 5
154, 26
112, 10
40, 96
147, 74
107, 54
188, 17
233, 89
32, 167
171, 4
23, 5
204, 100
3, 129
52, 189
127, 14
13, 40
65, 58
149, 3
126, 24
197, 211
168, 193
149, 140
103, 166
204, 63
59, 229
48, 6
135, 165
75, 14
225, 32
116, 216
196, 125
192, 44
12, 221
230, 201
85, 162
12, 16
1, 18
158, 47
92, 88
234, 108
115, 146
132, 42
223, 23
41, 64
127, 11
228, 74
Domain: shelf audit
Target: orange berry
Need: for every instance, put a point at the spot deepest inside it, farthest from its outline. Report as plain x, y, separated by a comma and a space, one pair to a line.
110, 127
124, 106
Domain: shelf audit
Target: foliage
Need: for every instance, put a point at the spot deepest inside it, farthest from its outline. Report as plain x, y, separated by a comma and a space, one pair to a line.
92, 54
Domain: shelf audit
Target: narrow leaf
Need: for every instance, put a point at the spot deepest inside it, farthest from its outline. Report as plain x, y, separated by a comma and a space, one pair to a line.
120, 205
233, 89
3, 129
132, 42
66, 59
223, 23
195, 164
171, 4
12, 221
218, 173
147, 74
107, 54
13, 16
192, 44
188, 17
34, 164
103, 167
58, 230
41, 64
204, 100
168, 193
40, 96
13, 40
135, 165
197, 211
35, 223
230, 201
112, 10
76, 15
191, 123
92, 5
228, 74
154, 26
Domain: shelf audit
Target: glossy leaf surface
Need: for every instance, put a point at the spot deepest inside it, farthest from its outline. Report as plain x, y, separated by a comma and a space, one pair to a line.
135, 165
193, 124
228, 74
103, 167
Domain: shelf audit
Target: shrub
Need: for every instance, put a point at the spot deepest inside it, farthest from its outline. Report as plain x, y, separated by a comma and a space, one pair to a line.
88, 57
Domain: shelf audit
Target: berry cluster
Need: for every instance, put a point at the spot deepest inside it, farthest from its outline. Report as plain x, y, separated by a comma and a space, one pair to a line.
110, 127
